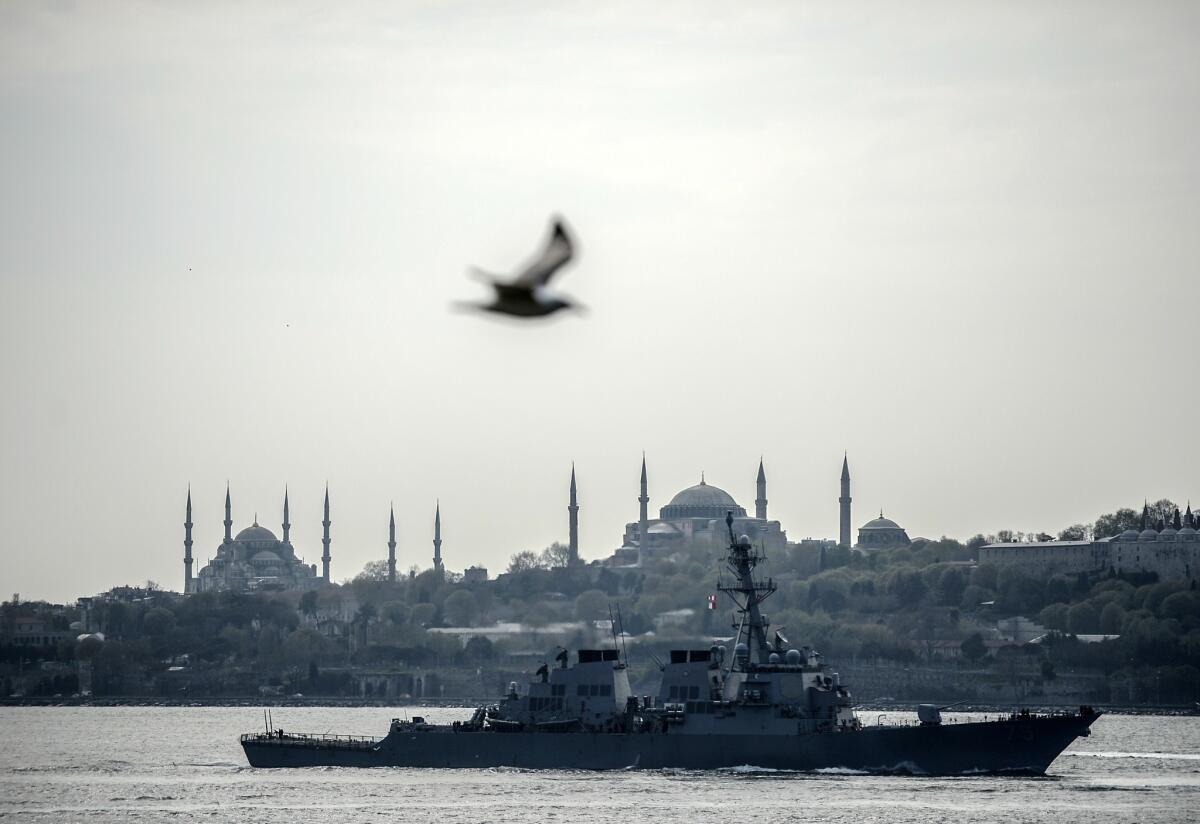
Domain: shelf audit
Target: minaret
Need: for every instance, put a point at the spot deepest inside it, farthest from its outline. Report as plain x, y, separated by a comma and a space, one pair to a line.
228, 516
844, 501
643, 501
437, 541
325, 539
187, 545
573, 509
760, 503
392, 547
287, 527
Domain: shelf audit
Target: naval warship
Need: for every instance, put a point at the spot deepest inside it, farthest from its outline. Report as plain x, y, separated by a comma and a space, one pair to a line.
762, 705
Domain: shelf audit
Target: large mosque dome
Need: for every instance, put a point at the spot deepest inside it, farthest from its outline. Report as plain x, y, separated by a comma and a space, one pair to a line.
701, 501
255, 534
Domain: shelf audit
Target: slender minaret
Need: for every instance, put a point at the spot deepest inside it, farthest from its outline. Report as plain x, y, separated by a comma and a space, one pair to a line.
228, 516
187, 545
325, 539
643, 502
844, 532
760, 503
573, 510
437, 541
392, 546
287, 526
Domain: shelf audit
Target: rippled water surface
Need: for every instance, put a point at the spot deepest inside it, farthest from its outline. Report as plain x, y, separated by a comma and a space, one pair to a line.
96, 765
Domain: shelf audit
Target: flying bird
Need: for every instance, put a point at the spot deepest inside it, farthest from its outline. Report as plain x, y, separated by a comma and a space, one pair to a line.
525, 296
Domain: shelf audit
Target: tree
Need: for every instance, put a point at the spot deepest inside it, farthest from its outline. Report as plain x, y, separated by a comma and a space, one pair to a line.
973, 648
1058, 588
305, 646
1082, 619
373, 571
1111, 618
984, 576
1074, 532
524, 561
1163, 510
158, 621
1054, 617
951, 585
555, 556
1115, 523
1180, 605
461, 609
423, 614
308, 603
592, 604
908, 587
367, 613
395, 612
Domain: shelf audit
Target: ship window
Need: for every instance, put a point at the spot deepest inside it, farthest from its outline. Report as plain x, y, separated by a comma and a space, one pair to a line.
606, 689
674, 692
581, 689
694, 693
595, 690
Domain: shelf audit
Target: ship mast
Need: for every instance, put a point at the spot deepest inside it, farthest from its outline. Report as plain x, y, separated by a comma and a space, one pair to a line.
747, 593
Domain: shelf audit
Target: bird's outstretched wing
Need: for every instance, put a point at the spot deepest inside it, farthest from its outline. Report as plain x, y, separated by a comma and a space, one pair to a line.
559, 250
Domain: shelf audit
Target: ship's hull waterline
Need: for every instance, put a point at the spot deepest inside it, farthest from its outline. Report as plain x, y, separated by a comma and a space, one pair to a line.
1021, 745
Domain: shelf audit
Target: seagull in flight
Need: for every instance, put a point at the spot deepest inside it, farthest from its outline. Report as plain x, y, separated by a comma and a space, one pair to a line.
525, 295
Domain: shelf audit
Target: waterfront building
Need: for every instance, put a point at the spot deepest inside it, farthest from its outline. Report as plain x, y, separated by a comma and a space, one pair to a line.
1169, 550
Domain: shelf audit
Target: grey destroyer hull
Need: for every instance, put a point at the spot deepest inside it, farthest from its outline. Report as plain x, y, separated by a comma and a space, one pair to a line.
1021, 745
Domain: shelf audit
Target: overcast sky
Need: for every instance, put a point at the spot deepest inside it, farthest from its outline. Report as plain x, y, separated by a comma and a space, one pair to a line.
958, 240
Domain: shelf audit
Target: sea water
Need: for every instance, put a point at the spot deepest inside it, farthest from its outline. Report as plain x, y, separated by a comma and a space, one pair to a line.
184, 764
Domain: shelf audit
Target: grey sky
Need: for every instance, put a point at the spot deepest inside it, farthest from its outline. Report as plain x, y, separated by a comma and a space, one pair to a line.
958, 240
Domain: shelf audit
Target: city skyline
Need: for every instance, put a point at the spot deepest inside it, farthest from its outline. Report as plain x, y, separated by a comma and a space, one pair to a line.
957, 241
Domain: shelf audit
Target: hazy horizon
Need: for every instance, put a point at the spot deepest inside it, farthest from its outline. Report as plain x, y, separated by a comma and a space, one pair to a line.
957, 241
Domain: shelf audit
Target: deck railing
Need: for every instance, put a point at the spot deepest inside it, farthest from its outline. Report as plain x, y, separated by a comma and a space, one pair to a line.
310, 740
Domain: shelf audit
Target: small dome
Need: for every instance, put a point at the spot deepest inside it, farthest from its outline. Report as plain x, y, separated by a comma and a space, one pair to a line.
744, 540
256, 533
1148, 535
1187, 534
1128, 535
1167, 534
266, 556
793, 657
881, 523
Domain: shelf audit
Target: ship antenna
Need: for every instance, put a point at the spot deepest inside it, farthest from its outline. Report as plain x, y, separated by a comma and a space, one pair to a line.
621, 623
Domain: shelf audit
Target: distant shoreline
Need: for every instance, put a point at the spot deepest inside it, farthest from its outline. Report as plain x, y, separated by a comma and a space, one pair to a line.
468, 703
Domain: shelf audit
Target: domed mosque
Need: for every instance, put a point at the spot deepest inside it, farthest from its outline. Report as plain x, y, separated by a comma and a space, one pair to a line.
881, 533
696, 515
254, 559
